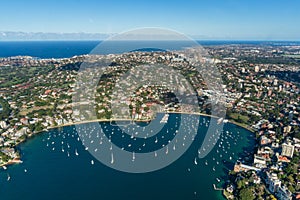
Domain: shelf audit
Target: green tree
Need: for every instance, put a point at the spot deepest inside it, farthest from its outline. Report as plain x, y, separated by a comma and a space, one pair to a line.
146, 109
240, 184
246, 194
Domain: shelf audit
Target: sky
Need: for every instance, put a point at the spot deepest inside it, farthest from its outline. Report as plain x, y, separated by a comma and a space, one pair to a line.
206, 19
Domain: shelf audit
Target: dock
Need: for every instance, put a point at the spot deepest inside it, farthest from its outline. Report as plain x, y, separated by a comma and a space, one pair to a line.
219, 189
165, 118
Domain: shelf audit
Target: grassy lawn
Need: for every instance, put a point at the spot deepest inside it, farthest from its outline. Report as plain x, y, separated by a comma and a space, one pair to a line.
239, 118
26, 111
292, 56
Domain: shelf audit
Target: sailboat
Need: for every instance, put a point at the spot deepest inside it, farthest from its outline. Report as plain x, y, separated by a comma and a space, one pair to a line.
76, 153
133, 156
112, 158
195, 161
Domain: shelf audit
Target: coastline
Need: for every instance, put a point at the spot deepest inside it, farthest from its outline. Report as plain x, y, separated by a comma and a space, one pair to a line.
12, 162
18, 159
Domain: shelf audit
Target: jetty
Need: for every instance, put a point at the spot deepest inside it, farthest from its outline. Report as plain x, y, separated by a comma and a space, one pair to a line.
216, 188
165, 118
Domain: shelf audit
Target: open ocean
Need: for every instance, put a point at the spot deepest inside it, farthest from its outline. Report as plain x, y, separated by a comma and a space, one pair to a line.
66, 49
52, 170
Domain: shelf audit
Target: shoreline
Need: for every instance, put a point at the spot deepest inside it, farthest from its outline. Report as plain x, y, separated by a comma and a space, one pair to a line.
18, 160
143, 120
12, 162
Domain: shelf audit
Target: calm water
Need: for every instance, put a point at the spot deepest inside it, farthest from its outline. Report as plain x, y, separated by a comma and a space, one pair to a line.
66, 49
55, 172
46, 49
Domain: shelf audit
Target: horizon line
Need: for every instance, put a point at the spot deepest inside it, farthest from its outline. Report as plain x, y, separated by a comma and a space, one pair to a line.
198, 40
87, 36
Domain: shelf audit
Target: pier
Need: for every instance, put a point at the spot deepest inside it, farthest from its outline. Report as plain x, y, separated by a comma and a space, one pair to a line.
216, 188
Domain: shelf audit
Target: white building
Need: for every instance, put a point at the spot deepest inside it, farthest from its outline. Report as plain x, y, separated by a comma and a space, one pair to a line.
259, 161
273, 182
256, 68
3, 124
287, 150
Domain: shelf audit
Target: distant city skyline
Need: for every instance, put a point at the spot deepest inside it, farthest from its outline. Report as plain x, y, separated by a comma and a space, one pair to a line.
212, 20
81, 36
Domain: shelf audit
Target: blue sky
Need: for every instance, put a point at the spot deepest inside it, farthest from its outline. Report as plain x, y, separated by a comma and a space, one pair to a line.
212, 19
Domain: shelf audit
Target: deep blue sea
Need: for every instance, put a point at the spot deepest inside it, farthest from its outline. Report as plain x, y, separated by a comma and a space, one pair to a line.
46, 49
65, 49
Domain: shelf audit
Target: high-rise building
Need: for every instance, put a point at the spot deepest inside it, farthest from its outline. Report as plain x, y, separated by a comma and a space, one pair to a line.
287, 150
273, 182
256, 68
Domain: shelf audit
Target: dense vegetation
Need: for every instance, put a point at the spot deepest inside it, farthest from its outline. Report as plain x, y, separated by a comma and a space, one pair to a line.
12, 75
272, 60
286, 75
4, 114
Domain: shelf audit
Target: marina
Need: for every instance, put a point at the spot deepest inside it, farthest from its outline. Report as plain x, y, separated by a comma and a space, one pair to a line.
47, 159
